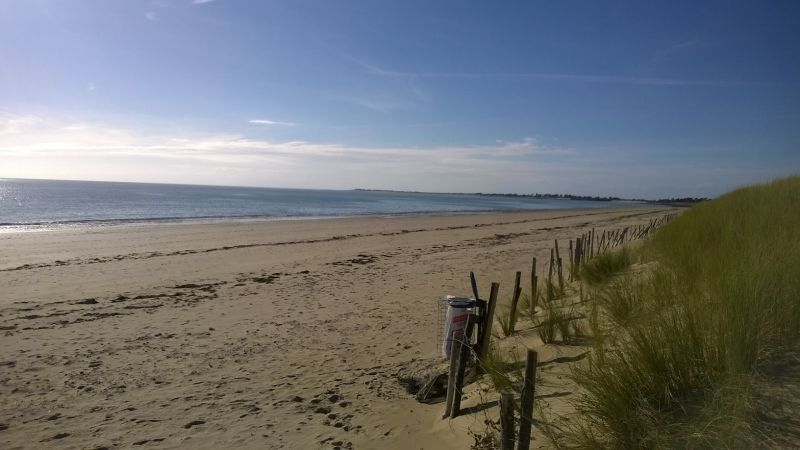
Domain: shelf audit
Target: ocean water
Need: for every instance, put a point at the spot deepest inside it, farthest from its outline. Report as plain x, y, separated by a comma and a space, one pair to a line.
27, 205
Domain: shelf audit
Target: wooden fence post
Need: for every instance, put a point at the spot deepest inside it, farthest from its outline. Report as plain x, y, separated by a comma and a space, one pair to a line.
560, 276
571, 261
586, 242
455, 351
463, 359
558, 255
534, 285
506, 421
517, 292
486, 333
526, 402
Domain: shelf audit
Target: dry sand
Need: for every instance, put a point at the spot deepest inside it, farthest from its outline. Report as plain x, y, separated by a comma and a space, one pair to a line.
287, 334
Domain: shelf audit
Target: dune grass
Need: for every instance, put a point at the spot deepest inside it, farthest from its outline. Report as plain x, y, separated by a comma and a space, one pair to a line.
503, 371
605, 265
527, 308
622, 299
722, 301
548, 325
507, 320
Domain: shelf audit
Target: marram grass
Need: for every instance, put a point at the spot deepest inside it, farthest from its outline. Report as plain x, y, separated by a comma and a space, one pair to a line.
722, 302
605, 265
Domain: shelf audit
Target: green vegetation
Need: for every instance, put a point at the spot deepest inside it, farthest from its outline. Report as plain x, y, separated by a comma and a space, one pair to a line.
693, 334
527, 307
548, 325
504, 374
506, 320
605, 265
552, 292
622, 300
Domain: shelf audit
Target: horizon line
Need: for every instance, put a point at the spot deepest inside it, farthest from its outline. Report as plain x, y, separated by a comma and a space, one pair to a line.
498, 194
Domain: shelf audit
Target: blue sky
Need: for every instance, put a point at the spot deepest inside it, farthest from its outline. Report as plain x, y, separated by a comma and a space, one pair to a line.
610, 98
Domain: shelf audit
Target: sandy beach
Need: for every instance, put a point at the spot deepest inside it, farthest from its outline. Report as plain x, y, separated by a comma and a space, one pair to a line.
285, 334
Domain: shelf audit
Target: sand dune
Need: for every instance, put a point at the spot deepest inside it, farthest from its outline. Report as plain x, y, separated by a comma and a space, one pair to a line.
288, 334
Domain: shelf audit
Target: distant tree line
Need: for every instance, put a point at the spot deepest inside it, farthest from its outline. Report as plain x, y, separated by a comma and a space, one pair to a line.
594, 198
679, 200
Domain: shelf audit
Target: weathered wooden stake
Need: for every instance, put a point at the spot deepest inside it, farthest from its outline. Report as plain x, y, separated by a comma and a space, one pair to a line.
550, 271
463, 359
517, 291
583, 248
571, 261
586, 242
560, 276
506, 421
486, 333
558, 255
455, 351
526, 402
534, 285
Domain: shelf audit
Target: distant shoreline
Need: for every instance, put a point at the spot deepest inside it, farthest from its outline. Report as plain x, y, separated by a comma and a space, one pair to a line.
44, 226
683, 201
30, 205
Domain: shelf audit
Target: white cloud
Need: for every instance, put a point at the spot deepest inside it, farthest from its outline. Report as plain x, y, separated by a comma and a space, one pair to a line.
36, 147
11, 124
27, 135
270, 122
68, 149
151, 15
200, 2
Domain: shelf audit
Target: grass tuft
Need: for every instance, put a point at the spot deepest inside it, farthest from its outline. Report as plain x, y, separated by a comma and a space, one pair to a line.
605, 265
557, 323
507, 321
504, 374
623, 300
527, 308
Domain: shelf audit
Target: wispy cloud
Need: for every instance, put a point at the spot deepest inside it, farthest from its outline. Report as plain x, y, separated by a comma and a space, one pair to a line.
382, 103
41, 148
688, 43
401, 91
35, 147
271, 122
151, 15
583, 78
26, 134
11, 124
200, 2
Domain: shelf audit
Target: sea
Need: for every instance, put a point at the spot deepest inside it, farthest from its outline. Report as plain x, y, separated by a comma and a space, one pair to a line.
36, 205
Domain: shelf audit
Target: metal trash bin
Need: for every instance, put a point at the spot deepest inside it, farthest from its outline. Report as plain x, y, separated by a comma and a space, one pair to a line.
455, 320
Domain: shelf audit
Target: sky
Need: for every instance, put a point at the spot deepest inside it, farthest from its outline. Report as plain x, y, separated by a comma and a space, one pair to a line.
631, 99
